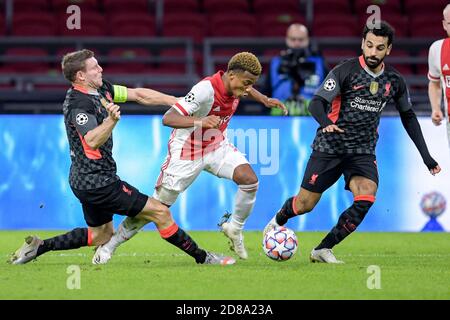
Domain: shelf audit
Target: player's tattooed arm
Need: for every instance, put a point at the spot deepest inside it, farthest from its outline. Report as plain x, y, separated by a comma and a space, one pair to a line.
172, 118
266, 101
149, 97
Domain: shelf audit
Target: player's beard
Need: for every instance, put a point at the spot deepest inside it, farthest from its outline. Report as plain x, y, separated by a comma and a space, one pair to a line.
372, 64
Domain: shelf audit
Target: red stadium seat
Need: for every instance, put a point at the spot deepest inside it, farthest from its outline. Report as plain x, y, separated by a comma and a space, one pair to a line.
191, 25
128, 63
270, 6
136, 25
219, 6
172, 66
420, 7
388, 7
233, 25
330, 25
181, 6
424, 26
85, 5
275, 25
2, 26
31, 6
397, 54
338, 7
92, 25
126, 6
25, 66
31, 24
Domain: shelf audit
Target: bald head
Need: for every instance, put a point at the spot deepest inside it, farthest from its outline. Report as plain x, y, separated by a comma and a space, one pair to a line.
297, 36
446, 19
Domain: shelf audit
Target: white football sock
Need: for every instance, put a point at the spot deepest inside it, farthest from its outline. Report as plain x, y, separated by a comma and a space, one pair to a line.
243, 204
127, 229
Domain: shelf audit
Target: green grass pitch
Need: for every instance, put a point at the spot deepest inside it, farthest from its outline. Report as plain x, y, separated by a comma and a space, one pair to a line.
411, 266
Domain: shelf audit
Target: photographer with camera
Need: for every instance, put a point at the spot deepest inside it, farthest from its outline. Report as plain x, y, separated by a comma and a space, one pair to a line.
296, 73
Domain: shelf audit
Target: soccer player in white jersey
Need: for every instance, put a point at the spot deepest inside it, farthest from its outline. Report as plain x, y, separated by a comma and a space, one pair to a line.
198, 143
439, 75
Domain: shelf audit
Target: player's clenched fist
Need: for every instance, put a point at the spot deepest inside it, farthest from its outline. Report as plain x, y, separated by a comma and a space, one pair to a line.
210, 122
113, 111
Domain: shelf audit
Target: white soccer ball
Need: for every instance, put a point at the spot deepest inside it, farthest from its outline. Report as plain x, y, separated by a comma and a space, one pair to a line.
433, 204
280, 244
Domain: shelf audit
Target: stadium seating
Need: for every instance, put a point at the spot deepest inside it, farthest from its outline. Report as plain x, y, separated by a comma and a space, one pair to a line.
92, 25
330, 25
337, 7
136, 25
126, 6
26, 66
424, 26
229, 6
270, 6
60, 6
127, 61
31, 24
2, 26
31, 6
193, 25
387, 7
181, 6
420, 7
233, 25
275, 25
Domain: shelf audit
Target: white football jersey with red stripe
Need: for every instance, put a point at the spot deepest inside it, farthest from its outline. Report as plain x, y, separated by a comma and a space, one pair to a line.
208, 97
439, 70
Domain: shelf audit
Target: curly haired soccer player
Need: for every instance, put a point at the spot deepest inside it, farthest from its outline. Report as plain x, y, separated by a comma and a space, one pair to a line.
348, 107
198, 143
90, 116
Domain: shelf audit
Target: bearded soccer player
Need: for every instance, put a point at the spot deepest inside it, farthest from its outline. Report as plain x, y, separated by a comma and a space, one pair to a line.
90, 116
439, 75
198, 143
348, 107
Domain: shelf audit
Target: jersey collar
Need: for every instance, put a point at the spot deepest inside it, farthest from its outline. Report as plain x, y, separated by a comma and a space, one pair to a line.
366, 68
219, 84
85, 90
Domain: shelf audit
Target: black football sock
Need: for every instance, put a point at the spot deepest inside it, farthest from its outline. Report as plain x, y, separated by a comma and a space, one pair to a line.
179, 238
286, 212
71, 240
347, 223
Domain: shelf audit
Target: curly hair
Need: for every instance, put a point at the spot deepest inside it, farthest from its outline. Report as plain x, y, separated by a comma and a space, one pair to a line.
245, 61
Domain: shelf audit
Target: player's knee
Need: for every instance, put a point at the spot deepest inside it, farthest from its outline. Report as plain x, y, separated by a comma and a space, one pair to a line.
303, 205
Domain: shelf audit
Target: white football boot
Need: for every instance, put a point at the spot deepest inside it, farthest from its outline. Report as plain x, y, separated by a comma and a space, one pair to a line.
102, 255
27, 251
235, 236
214, 258
324, 255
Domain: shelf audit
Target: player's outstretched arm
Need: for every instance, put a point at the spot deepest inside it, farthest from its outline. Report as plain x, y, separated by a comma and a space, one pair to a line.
412, 127
434, 94
266, 101
96, 137
149, 97
172, 118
